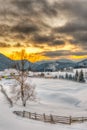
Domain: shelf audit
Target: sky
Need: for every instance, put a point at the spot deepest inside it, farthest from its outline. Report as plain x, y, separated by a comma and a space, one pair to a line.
45, 29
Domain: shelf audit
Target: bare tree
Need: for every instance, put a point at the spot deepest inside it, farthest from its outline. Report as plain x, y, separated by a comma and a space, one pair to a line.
28, 90
21, 77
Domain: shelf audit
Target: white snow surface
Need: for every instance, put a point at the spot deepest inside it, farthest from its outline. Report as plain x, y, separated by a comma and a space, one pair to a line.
55, 96
9, 121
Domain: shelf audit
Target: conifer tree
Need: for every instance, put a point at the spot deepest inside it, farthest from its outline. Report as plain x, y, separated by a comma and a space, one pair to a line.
66, 76
70, 77
81, 76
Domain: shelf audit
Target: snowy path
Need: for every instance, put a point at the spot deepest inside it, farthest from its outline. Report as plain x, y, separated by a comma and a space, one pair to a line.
9, 121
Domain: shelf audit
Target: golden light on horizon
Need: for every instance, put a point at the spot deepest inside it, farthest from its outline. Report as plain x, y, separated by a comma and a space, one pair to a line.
78, 57
32, 54
35, 54
68, 47
32, 57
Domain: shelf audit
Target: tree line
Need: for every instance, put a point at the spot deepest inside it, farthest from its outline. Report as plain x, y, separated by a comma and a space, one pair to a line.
79, 76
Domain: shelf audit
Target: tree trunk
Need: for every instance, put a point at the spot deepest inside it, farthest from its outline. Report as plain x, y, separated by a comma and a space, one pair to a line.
22, 96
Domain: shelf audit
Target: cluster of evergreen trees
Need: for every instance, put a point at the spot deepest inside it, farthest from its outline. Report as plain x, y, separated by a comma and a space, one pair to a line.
79, 76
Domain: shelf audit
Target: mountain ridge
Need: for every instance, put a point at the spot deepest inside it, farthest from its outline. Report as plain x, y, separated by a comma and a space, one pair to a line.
6, 62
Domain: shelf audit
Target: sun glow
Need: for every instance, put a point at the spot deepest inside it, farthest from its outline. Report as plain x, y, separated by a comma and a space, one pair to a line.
78, 57
34, 54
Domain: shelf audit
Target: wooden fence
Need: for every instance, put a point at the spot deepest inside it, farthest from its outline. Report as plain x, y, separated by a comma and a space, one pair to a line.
5, 94
50, 118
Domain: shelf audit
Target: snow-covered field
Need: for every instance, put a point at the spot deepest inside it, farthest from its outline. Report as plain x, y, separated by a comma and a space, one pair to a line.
8, 121
61, 97
55, 96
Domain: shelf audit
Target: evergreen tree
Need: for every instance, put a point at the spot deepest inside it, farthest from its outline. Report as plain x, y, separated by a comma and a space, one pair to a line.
70, 77
66, 76
81, 76
62, 77
73, 78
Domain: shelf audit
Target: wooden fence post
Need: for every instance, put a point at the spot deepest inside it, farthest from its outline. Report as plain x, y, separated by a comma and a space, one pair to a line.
51, 119
23, 113
70, 120
35, 116
29, 115
44, 116
82, 119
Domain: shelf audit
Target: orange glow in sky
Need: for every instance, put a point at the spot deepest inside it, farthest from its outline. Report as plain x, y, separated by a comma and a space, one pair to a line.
34, 54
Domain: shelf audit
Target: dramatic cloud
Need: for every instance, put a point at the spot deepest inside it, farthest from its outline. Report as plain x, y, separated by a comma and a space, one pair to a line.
18, 45
2, 44
26, 29
71, 27
56, 25
35, 6
63, 53
49, 40
42, 39
58, 42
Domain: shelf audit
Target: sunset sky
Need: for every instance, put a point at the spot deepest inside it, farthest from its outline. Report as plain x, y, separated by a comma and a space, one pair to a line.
45, 29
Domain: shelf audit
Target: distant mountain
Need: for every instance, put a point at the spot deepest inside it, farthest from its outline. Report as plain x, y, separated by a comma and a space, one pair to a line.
52, 61
53, 65
5, 62
82, 63
50, 65
65, 61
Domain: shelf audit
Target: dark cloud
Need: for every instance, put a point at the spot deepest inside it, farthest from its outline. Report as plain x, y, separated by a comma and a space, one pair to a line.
3, 44
26, 29
37, 21
4, 29
58, 42
18, 45
71, 27
80, 53
79, 40
57, 53
19, 36
42, 39
49, 40
81, 37
73, 9
64, 53
36, 7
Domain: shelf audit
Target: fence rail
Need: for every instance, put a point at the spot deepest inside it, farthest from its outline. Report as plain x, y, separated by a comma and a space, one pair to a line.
5, 94
50, 118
